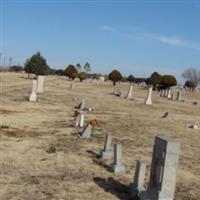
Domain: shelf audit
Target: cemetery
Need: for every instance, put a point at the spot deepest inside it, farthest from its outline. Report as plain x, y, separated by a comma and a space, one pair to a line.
64, 139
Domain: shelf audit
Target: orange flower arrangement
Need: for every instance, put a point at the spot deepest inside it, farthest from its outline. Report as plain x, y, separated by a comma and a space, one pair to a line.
94, 122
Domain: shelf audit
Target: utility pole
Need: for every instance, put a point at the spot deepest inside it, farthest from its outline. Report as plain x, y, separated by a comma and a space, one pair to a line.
10, 62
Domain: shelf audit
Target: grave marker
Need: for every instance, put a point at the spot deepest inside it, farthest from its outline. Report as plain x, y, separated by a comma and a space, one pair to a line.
148, 100
86, 131
138, 182
106, 152
40, 84
163, 170
117, 166
129, 95
33, 96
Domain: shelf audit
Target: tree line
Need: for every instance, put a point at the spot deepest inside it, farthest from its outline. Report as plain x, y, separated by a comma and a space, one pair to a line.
37, 65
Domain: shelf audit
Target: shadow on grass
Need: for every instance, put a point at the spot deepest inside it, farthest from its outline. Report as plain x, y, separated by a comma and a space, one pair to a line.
96, 160
93, 154
114, 187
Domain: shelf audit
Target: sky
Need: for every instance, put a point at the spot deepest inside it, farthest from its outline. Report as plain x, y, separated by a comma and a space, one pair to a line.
135, 37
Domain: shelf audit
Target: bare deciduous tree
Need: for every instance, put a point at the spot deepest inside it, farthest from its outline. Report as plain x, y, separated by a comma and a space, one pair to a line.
192, 75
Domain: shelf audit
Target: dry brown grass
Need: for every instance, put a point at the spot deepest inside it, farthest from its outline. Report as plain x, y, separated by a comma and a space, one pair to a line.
74, 171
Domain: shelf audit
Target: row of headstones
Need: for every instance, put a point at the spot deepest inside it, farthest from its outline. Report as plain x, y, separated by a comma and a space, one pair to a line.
168, 94
164, 164
164, 93
147, 101
38, 87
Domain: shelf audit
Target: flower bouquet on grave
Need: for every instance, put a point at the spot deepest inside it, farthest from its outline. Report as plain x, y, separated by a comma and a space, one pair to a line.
94, 122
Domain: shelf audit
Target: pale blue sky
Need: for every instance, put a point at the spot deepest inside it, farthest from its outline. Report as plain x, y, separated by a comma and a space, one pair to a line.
136, 37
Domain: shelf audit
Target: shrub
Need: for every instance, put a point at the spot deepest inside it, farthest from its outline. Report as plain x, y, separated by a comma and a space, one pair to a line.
71, 72
131, 78
16, 68
140, 80
148, 81
168, 81
60, 72
115, 76
37, 65
155, 79
192, 75
190, 84
82, 76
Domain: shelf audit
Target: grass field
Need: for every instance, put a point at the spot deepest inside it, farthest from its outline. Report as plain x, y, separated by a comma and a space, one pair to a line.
74, 172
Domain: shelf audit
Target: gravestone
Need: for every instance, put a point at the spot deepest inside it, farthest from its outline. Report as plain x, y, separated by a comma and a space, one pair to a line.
172, 97
169, 96
148, 100
77, 120
163, 170
106, 152
162, 93
194, 126
86, 131
138, 181
82, 105
40, 84
165, 93
117, 166
129, 95
33, 96
117, 92
178, 97
81, 121
72, 85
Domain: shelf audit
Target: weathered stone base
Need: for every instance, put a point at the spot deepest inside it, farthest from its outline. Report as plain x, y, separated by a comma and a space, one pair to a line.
153, 195
118, 169
105, 155
134, 191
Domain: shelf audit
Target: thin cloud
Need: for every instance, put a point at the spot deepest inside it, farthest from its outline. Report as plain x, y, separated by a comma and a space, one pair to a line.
108, 28
177, 41
139, 33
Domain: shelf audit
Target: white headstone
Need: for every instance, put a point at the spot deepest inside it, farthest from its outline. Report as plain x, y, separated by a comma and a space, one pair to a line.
129, 95
148, 100
162, 93
178, 97
77, 120
40, 84
169, 96
81, 122
33, 96
165, 93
